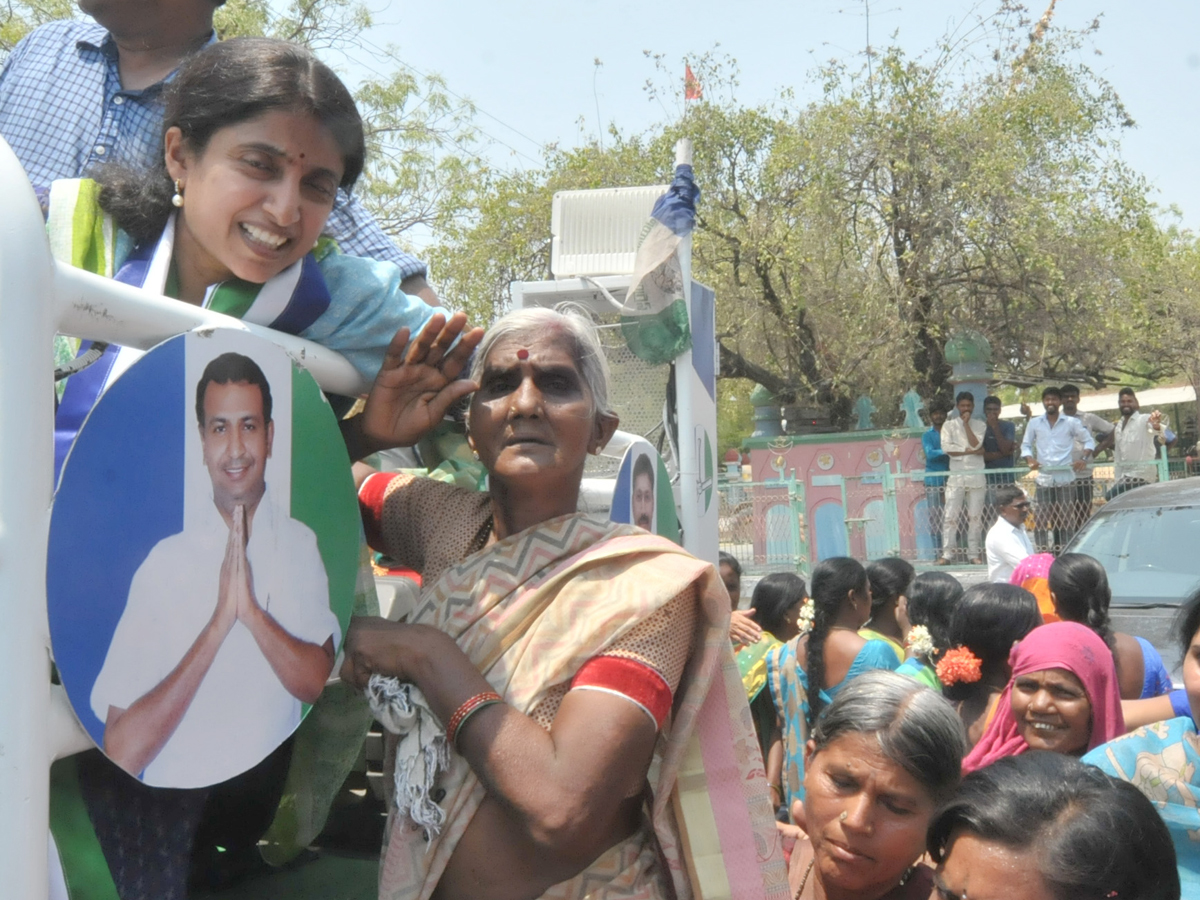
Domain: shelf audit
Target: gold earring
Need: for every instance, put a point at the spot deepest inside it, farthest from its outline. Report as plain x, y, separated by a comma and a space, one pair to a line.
177, 199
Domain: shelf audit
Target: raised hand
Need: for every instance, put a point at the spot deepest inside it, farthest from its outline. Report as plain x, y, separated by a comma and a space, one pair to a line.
226, 612
417, 382
243, 582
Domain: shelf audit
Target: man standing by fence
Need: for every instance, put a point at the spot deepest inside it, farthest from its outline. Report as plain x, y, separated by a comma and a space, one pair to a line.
962, 440
1048, 447
1136, 439
1100, 430
935, 485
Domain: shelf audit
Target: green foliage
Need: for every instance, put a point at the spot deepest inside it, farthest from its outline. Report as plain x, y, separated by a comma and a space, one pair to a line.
979, 185
21, 17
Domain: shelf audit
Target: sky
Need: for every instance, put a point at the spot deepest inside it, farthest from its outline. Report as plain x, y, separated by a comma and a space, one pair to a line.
529, 65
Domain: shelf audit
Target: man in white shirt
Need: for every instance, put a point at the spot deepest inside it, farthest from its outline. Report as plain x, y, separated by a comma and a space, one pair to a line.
227, 630
1049, 448
1135, 438
1100, 429
962, 440
1007, 543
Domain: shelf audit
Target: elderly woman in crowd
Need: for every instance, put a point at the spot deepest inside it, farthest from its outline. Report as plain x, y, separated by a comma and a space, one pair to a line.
1046, 827
883, 757
563, 654
1062, 697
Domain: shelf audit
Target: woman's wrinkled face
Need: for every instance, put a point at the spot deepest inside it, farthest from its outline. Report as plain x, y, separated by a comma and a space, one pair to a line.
533, 415
866, 815
256, 198
1052, 711
976, 869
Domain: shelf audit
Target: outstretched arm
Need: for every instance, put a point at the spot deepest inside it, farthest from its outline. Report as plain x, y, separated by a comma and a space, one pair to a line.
415, 386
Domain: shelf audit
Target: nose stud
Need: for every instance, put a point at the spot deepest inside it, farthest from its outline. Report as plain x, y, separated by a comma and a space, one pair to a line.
843, 816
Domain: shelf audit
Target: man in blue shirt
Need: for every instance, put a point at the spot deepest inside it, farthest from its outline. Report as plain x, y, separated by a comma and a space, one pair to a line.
936, 460
74, 95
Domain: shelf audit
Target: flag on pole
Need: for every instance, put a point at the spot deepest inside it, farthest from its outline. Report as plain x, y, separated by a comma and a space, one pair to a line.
655, 319
691, 85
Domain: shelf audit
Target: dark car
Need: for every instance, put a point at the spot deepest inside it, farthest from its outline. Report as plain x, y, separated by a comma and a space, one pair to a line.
1148, 541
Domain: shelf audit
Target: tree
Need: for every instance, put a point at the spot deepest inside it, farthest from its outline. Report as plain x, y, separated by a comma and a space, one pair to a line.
849, 239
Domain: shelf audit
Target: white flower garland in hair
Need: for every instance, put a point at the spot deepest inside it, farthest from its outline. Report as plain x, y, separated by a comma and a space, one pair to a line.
920, 642
805, 619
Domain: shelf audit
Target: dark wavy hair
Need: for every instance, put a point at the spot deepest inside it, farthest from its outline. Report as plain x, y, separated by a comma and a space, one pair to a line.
224, 84
932, 597
987, 621
889, 579
1094, 836
1081, 594
773, 596
832, 580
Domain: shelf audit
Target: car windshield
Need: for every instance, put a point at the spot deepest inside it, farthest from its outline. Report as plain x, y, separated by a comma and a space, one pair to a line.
1150, 554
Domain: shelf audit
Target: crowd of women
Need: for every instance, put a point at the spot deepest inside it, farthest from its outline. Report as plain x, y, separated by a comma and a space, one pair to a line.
1032, 709
574, 678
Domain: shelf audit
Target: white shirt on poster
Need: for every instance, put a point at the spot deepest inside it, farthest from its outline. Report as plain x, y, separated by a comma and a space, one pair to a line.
241, 711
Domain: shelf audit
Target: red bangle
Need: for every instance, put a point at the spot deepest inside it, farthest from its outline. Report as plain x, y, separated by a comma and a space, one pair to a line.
471, 705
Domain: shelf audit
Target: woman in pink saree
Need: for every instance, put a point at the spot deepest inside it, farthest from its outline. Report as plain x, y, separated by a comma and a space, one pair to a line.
599, 741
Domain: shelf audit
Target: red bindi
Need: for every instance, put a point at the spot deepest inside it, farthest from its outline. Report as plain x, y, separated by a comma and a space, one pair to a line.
522, 353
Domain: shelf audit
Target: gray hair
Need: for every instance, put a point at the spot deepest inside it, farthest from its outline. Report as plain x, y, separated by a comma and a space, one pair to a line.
582, 340
916, 728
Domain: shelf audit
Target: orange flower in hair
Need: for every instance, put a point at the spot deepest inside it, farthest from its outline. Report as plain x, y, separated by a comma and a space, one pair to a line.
959, 664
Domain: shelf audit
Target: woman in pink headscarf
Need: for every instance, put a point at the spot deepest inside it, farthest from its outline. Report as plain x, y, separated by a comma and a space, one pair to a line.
1062, 696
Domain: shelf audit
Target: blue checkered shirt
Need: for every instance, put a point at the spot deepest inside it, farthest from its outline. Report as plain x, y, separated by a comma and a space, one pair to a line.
62, 110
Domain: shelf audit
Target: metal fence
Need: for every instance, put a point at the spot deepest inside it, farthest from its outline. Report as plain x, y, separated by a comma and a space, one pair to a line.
769, 528
763, 525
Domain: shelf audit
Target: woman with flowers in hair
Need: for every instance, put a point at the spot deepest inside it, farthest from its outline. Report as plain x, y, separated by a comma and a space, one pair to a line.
1062, 697
806, 673
974, 671
924, 615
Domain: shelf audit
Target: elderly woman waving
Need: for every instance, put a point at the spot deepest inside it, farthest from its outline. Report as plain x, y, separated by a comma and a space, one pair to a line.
562, 654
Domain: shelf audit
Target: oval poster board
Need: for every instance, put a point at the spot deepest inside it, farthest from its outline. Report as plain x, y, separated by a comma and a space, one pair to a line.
202, 560
643, 494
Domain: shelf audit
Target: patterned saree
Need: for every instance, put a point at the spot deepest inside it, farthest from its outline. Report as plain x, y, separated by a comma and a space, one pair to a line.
529, 612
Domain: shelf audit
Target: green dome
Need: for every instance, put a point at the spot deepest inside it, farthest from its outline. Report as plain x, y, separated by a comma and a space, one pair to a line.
968, 346
760, 396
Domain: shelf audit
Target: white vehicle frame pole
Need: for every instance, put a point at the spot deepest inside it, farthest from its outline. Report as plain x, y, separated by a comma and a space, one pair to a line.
39, 297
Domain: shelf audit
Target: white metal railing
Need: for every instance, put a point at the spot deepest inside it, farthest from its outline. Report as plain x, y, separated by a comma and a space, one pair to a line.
39, 297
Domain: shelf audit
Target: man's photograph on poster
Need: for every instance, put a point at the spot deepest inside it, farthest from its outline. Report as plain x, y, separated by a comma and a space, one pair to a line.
225, 631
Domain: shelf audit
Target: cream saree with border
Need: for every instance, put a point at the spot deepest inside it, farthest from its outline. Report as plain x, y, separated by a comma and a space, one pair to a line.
529, 612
